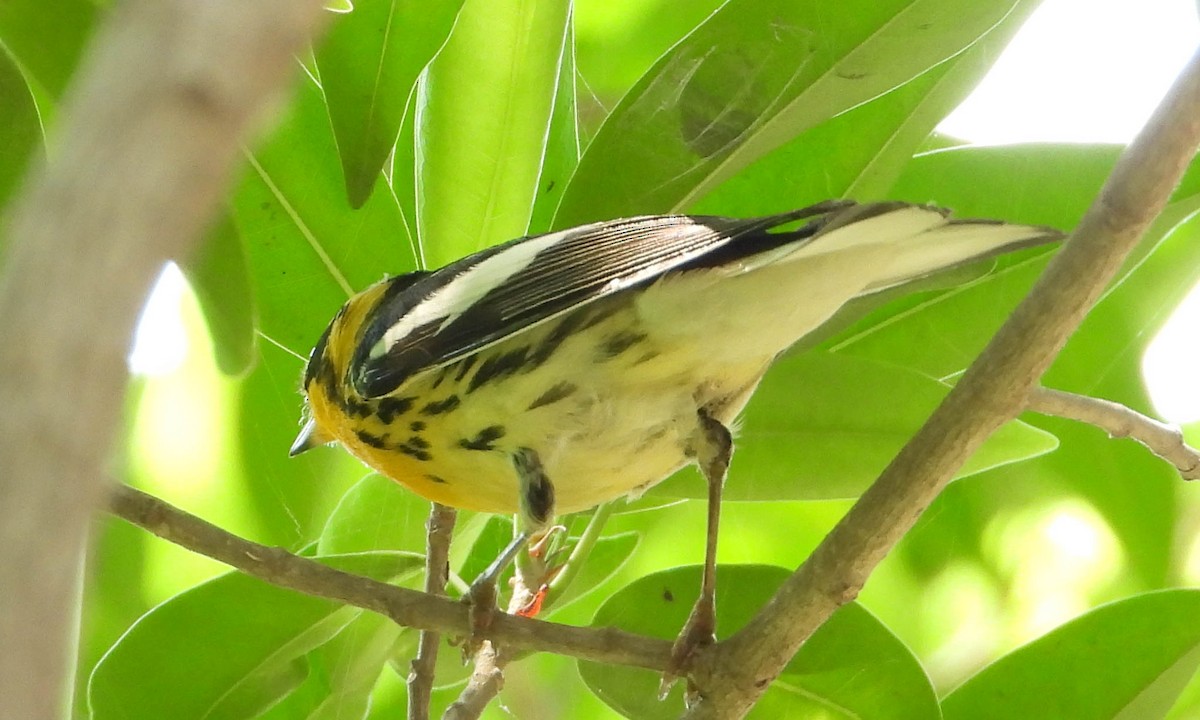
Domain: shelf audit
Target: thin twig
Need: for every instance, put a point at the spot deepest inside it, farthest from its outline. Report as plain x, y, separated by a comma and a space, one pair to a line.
488, 677
733, 674
487, 680
438, 529
409, 608
1119, 421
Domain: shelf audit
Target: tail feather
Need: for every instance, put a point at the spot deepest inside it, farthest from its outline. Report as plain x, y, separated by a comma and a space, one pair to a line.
764, 302
925, 240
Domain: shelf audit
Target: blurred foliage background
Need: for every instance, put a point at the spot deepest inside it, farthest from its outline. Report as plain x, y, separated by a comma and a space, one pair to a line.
541, 115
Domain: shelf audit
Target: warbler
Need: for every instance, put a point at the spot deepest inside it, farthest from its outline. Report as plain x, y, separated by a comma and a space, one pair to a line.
553, 373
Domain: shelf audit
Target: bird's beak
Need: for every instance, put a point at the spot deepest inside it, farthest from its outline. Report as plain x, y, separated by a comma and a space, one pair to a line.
311, 436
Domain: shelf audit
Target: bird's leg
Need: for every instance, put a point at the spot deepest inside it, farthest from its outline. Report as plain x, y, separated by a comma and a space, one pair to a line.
714, 447
536, 513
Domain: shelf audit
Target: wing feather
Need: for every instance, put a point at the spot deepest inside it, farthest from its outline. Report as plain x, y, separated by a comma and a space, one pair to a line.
487, 297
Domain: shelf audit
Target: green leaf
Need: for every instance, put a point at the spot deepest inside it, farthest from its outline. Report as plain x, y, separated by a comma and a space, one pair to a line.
493, 537
607, 556
219, 277
749, 80
289, 498
618, 41
369, 62
482, 125
20, 127
47, 45
375, 514
1129, 659
403, 172
308, 250
824, 426
344, 671
225, 649
927, 333
562, 145
861, 152
853, 667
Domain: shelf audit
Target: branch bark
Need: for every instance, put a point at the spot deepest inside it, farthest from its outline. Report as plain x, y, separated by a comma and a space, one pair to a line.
1119, 421
409, 608
733, 674
146, 140
437, 566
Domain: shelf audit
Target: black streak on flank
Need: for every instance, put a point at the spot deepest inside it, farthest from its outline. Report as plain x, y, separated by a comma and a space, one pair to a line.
418, 442
417, 426
441, 376
414, 452
619, 342
372, 440
599, 316
483, 439
563, 330
465, 366
554, 394
389, 408
436, 479
439, 407
498, 366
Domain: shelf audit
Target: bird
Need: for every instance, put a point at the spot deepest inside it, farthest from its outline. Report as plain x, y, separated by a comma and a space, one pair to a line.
553, 373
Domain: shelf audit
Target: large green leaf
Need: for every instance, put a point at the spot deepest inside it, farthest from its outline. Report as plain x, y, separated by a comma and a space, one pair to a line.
375, 514
618, 41
860, 153
749, 80
852, 668
47, 45
228, 648
482, 124
824, 426
1039, 184
369, 62
607, 556
1126, 660
562, 144
308, 250
343, 671
219, 277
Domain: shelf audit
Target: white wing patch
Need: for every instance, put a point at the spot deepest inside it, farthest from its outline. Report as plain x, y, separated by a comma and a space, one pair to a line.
452, 299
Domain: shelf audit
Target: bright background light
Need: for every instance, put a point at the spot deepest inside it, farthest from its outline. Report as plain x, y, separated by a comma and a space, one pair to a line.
1093, 71
160, 343
1080, 71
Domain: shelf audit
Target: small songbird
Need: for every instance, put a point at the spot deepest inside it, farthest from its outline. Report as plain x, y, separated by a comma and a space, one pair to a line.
553, 373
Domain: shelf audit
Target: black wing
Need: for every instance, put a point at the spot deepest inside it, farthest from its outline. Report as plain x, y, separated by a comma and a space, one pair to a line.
491, 295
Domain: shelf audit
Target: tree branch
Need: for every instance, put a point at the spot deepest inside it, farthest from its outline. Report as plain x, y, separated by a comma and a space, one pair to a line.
487, 680
409, 608
145, 141
438, 529
733, 674
1119, 421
